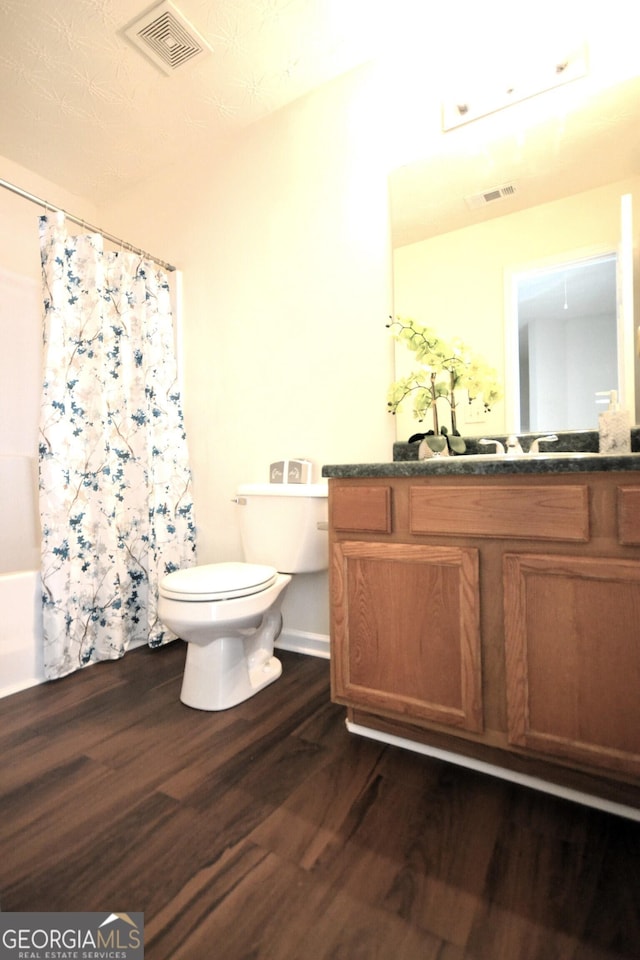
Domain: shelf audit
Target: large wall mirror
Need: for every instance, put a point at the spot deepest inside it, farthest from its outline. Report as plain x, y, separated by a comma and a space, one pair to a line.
496, 203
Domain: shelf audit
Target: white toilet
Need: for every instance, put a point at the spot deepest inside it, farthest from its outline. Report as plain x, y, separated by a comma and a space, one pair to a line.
229, 613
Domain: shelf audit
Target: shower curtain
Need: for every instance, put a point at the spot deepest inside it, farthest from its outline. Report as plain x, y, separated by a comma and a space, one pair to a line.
114, 481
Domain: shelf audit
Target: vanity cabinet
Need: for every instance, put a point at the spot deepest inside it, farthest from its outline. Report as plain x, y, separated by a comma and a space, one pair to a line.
494, 617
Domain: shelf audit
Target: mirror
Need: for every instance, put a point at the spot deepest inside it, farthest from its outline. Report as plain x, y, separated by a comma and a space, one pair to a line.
488, 204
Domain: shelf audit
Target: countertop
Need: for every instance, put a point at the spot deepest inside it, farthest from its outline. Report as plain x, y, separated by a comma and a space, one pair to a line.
483, 466
580, 449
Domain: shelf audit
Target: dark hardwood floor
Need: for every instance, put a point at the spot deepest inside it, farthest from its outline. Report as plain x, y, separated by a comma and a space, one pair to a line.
268, 831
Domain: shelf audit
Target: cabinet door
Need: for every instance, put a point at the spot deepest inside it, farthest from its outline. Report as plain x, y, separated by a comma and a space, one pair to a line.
572, 633
405, 631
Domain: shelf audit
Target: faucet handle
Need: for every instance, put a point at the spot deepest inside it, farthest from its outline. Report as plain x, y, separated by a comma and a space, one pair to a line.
499, 449
535, 446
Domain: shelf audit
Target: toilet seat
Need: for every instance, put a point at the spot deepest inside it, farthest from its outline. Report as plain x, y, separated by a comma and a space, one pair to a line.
217, 581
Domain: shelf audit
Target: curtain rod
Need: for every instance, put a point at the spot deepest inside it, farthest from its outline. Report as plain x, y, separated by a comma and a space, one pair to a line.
83, 223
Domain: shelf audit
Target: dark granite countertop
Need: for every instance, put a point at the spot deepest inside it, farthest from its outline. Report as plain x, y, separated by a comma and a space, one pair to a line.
483, 466
580, 451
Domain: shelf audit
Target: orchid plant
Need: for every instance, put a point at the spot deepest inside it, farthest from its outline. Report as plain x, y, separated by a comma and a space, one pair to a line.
445, 367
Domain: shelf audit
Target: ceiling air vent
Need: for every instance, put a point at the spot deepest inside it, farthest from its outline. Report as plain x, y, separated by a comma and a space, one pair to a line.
476, 200
167, 38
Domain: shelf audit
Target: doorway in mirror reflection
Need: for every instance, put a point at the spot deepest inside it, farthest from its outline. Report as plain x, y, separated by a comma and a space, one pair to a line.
566, 347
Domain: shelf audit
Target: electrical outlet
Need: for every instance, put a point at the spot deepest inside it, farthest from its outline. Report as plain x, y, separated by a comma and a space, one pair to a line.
475, 412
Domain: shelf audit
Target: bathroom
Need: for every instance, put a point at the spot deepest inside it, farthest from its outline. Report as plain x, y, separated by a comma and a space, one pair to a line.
281, 238
295, 362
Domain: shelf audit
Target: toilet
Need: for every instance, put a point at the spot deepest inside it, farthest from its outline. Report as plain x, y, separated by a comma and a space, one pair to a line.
229, 613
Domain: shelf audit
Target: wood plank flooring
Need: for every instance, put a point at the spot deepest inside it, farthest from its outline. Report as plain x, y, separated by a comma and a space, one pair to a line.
268, 832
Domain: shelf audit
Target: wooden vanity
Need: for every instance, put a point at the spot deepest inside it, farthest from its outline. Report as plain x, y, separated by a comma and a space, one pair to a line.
491, 614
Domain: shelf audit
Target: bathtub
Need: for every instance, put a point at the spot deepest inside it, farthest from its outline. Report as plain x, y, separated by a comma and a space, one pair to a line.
20, 602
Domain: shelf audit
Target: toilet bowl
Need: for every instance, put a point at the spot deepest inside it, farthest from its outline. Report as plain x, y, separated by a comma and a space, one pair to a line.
229, 613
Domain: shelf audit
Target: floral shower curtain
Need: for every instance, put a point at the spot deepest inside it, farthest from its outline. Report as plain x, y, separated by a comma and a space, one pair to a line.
115, 486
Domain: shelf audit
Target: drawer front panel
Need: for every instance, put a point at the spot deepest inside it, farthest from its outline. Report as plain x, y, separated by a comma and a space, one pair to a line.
539, 512
361, 509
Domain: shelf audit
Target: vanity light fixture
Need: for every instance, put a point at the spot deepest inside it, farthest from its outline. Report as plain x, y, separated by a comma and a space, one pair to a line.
457, 111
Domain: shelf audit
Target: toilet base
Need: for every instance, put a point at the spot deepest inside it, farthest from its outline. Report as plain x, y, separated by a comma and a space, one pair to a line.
229, 644
219, 675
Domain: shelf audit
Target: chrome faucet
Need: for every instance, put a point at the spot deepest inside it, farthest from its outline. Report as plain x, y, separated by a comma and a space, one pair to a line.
513, 446
499, 449
535, 448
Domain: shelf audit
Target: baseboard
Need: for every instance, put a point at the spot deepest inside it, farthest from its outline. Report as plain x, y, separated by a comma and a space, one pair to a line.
297, 641
12, 688
19, 686
557, 790
300, 641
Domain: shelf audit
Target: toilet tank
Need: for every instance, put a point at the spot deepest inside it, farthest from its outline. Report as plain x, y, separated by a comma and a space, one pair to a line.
284, 525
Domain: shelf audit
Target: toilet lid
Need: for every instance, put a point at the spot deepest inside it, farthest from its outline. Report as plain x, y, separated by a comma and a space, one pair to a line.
217, 581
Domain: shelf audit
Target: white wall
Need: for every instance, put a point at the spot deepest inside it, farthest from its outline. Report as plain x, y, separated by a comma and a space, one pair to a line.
283, 240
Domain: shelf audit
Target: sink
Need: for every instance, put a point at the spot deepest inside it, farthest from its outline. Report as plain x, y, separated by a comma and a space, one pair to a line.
488, 457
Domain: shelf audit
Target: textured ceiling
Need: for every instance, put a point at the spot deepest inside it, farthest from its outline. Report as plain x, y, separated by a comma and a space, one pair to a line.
82, 107
85, 109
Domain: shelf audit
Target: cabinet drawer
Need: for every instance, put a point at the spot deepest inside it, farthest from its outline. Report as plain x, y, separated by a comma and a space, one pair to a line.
629, 515
531, 512
360, 508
